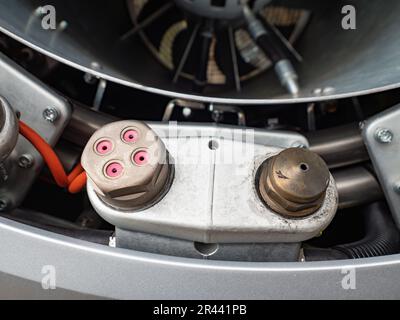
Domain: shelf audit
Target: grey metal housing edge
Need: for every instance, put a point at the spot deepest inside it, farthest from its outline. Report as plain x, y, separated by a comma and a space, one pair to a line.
85, 270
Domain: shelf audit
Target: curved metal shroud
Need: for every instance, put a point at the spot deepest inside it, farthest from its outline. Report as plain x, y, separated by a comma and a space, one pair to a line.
344, 62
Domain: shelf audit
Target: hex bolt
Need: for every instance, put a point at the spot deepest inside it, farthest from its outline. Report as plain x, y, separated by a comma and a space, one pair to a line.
383, 135
128, 165
50, 114
25, 161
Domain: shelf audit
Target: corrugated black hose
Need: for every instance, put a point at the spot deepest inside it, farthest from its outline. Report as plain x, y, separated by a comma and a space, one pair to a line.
382, 238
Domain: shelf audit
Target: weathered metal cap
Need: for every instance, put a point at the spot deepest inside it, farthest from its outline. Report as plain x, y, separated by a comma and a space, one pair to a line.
293, 183
128, 165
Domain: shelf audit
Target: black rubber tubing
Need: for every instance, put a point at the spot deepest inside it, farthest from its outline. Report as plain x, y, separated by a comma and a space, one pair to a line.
382, 238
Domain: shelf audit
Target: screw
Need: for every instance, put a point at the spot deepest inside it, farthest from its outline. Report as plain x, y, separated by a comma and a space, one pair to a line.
384, 135
25, 161
50, 114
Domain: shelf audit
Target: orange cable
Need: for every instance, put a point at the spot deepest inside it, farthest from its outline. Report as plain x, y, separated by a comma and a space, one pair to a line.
75, 181
75, 173
78, 183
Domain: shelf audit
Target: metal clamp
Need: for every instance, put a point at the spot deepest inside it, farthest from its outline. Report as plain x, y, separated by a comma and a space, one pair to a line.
41, 109
381, 135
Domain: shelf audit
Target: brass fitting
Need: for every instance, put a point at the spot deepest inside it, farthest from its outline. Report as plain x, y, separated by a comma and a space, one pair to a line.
294, 182
128, 165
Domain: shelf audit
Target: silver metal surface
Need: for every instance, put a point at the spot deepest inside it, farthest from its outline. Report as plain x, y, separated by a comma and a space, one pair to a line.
8, 130
384, 151
213, 198
351, 62
27, 96
128, 274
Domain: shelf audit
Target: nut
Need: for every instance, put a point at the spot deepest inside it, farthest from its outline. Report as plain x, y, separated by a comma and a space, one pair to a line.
293, 183
128, 165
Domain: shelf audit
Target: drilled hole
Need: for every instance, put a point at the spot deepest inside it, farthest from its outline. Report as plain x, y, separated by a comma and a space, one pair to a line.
304, 167
206, 249
213, 145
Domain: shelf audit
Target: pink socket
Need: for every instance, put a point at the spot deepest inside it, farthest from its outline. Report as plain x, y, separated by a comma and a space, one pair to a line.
141, 158
114, 170
130, 136
104, 147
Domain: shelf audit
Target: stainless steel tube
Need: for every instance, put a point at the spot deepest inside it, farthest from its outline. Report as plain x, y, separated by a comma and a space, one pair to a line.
340, 146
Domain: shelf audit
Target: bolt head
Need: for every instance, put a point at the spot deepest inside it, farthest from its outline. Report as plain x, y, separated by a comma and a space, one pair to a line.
25, 161
50, 114
384, 136
134, 173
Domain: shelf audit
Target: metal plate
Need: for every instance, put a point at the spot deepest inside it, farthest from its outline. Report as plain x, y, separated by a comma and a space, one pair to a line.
213, 198
385, 156
30, 98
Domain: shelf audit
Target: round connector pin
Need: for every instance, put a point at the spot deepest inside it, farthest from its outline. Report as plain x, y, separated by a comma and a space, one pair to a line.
104, 147
130, 135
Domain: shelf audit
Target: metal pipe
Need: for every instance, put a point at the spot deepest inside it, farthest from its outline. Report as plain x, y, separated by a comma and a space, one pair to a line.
356, 186
84, 123
338, 146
